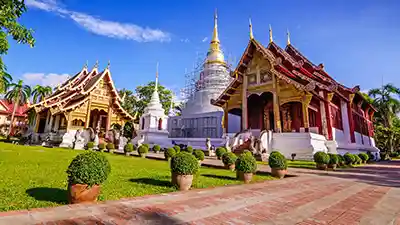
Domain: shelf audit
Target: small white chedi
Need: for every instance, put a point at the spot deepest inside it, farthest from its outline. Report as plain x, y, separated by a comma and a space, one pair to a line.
153, 123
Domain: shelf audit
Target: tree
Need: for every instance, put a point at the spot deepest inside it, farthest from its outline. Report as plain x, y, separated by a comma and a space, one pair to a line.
10, 12
388, 106
144, 94
40, 92
129, 103
19, 94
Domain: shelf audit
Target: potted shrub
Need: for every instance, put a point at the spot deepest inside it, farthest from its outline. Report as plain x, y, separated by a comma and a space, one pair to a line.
364, 157
102, 146
293, 155
169, 153
245, 166
110, 147
278, 164
156, 148
248, 152
358, 160
349, 158
189, 149
90, 145
341, 160
177, 149
333, 161
143, 150
128, 149
86, 173
220, 151
322, 160
183, 166
229, 159
199, 154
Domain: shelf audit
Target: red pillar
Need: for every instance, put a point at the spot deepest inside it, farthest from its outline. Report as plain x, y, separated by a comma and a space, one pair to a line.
328, 119
351, 122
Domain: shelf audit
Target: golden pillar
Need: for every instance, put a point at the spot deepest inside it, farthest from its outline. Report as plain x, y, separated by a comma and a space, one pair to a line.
277, 116
305, 103
244, 103
109, 117
88, 113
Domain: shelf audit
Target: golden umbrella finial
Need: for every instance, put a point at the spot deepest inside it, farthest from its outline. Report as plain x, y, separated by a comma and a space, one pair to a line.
97, 64
251, 29
108, 65
288, 37
86, 65
270, 34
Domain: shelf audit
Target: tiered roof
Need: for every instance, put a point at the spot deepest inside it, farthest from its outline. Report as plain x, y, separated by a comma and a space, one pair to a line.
76, 91
9, 108
291, 66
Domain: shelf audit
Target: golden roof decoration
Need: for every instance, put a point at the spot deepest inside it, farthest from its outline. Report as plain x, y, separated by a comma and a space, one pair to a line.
251, 29
270, 34
288, 37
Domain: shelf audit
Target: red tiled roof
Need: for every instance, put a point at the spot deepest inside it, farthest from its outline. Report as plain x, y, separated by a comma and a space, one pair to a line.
9, 107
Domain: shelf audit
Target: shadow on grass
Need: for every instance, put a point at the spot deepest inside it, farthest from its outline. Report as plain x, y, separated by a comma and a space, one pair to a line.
151, 181
56, 195
219, 176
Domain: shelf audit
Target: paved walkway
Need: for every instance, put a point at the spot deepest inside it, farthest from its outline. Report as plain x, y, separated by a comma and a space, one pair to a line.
367, 195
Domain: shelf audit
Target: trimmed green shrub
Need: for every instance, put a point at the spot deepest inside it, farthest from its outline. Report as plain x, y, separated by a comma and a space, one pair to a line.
246, 163
341, 159
169, 153
321, 158
358, 160
370, 156
184, 163
363, 156
90, 145
128, 148
177, 149
248, 152
102, 146
333, 159
143, 150
89, 168
199, 154
349, 158
156, 148
229, 158
277, 160
147, 146
220, 151
189, 149
110, 146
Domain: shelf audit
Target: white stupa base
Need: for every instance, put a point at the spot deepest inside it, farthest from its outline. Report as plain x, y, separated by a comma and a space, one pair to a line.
155, 137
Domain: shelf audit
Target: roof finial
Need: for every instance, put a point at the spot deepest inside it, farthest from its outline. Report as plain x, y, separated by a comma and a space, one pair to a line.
108, 65
86, 65
251, 29
156, 86
215, 33
288, 37
270, 34
97, 64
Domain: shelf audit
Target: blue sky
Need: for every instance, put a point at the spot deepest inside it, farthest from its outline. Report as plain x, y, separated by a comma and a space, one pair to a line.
358, 40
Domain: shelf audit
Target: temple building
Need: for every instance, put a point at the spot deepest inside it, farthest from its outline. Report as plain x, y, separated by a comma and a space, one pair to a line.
281, 90
87, 100
201, 119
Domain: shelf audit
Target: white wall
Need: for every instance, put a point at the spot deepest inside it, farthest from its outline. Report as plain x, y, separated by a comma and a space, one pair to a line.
358, 138
338, 136
366, 140
345, 122
233, 123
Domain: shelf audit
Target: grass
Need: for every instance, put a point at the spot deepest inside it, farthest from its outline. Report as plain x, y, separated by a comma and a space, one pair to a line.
34, 176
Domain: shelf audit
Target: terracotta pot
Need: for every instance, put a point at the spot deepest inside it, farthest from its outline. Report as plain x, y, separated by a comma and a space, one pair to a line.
183, 182
246, 177
81, 193
230, 167
219, 157
278, 173
101, 150
90, 149
142, 155
332, 166
127, 153
321, 166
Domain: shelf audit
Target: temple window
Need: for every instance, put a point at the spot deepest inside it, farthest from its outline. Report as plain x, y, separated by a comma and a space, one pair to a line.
252, 79
312, 114
160, 124
78, 122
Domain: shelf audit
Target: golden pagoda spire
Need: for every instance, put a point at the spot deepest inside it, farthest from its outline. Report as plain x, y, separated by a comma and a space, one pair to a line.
288, 37
251, 29
270, 34
215, 33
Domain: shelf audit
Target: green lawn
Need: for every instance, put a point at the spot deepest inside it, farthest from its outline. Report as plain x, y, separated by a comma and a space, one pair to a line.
34, 177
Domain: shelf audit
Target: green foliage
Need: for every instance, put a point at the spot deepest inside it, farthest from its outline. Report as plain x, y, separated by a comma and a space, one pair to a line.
184, 163
189, 149
102, 146
156, 148
128, 148
199, 154
169, 153
370, 156
143, 149
110, 146
130, 101
229, 158
321, 158
220, 151
277, 160
247, 152
177, 149
40, 92
363, 156
90, 145
246, 163
349, 158
144, 94
333, 159
341, 159
147, 146
18, 94
89, 168
358, 160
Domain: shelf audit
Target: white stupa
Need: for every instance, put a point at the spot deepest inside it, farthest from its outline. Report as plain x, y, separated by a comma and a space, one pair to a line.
153, 123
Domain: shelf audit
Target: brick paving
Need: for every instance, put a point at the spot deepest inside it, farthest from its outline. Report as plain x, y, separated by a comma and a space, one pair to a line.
363, 195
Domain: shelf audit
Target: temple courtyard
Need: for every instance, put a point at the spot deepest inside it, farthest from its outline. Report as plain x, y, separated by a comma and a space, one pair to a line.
361, 195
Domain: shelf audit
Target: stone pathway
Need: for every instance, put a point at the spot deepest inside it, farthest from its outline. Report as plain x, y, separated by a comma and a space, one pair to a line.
365, 195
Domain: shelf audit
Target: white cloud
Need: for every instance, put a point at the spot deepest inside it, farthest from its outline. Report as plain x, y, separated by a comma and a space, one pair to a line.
98, 26
185, 40
51, 79
204, 39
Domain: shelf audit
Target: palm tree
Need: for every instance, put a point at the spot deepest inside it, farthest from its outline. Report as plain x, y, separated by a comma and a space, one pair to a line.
19, 94
40, 92
388, 107
5, 80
